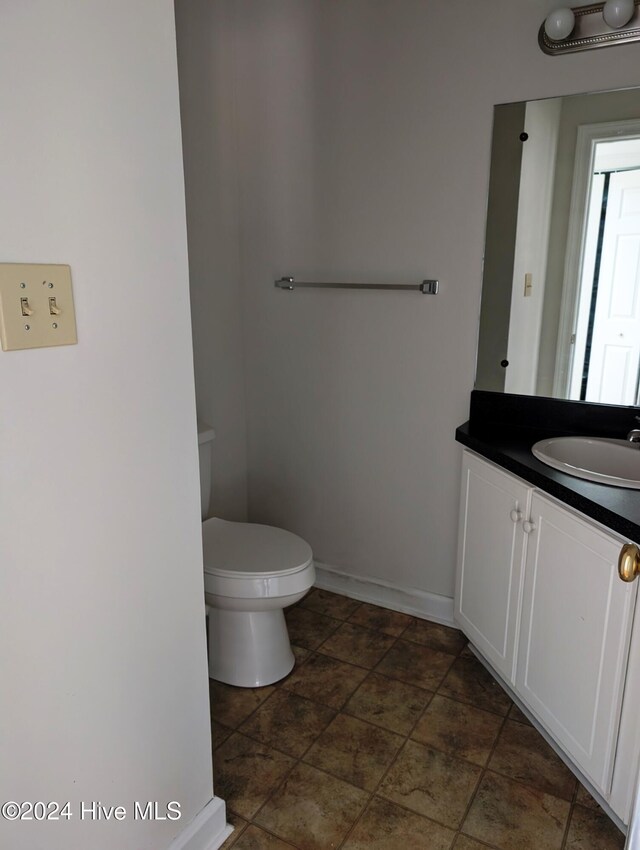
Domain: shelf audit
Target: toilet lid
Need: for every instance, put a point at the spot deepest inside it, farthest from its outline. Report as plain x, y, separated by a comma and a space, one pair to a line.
251, 549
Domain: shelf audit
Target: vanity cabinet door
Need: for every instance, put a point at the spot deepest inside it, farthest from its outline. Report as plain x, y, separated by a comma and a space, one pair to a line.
491, 546
574, 638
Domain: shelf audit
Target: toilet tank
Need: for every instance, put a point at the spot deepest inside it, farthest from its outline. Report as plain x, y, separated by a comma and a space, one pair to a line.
205, 439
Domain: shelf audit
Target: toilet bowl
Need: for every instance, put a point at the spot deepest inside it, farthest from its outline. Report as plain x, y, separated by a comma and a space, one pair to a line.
252, 573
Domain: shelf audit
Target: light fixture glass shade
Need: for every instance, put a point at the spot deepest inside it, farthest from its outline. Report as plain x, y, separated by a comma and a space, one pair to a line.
617, 13
560, 22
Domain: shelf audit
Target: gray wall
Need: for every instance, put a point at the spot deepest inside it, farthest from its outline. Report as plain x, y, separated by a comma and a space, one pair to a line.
102, 628
363, 134
211, 183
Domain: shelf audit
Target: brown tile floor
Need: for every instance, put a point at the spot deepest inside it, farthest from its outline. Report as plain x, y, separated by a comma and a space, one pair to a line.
390, 735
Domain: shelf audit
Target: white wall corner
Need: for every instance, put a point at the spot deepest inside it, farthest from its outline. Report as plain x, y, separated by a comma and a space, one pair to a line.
207, 831
409, 600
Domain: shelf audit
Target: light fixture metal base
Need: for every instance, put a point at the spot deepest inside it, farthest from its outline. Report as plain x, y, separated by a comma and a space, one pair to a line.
591, 31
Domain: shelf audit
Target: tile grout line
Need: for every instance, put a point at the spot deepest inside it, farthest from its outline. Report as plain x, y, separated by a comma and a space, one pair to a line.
354, 664
427, 692
567, 826
395, 759
481, 777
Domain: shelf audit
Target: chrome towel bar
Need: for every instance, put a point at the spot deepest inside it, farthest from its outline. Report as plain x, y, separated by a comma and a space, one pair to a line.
427, 287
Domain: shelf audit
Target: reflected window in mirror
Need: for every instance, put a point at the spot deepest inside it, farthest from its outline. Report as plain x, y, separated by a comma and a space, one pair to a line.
560, 312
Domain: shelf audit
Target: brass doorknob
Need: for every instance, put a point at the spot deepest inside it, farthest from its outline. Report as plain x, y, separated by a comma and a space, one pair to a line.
629, 562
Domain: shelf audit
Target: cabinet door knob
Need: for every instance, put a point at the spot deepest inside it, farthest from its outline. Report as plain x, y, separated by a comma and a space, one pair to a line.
528, 526
629, 562
515, 515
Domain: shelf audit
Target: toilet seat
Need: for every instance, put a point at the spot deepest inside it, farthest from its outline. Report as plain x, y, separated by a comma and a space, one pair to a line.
245, 560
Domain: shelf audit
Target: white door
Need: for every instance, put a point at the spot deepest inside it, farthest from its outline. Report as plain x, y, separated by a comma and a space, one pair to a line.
490, 560
574, 638
615, 347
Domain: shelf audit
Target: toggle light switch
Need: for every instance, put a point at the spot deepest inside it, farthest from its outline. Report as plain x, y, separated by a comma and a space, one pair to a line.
42, 293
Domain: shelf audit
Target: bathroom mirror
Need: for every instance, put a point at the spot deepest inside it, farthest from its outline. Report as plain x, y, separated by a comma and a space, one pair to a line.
560, 314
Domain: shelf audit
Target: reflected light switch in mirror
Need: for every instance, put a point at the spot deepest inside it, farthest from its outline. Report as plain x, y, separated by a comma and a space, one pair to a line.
36, 306
528, 284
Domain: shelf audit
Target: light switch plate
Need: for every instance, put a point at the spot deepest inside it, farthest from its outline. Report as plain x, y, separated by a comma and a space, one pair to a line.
528, 284
36, 306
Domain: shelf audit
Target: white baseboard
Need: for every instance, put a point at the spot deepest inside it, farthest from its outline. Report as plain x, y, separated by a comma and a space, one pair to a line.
409, 600
207, 831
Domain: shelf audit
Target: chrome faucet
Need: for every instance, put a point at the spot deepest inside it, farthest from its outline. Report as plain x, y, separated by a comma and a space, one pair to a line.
634, 434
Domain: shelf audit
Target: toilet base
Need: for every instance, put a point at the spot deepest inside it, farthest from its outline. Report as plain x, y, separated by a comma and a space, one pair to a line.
248, 649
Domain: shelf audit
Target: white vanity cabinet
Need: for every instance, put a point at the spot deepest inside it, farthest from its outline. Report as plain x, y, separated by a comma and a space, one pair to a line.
538, 594
491, 553
574, 635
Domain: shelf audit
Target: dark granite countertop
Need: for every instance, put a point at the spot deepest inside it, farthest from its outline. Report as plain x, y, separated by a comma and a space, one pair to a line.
508, 444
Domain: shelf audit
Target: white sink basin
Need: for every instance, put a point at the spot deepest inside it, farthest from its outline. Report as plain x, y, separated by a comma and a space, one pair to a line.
615, 462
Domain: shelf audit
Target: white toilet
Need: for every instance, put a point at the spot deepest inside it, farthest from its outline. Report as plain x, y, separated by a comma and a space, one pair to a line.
251, 573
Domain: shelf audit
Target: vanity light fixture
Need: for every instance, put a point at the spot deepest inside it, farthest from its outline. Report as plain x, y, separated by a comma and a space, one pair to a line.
566, 30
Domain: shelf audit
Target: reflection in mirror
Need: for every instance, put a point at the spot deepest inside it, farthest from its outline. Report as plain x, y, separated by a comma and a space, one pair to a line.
560, 311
